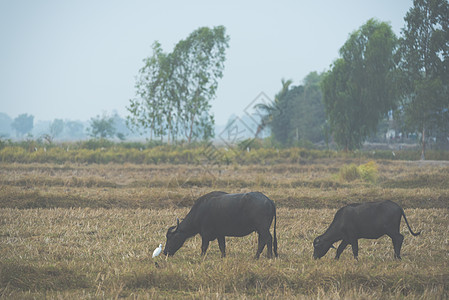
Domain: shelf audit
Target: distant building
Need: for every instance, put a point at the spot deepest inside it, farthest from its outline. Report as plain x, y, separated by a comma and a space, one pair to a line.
391, 134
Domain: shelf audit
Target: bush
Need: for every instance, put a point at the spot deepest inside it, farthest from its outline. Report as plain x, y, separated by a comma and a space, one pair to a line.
366, 172
349, 173
94, 144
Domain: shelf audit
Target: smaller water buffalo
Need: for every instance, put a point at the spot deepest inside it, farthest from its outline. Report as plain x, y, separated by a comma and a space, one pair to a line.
362, 220
219, 214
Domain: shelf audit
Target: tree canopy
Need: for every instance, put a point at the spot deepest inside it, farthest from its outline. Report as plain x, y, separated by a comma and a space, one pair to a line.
424, 65
23, 124
297, 112
174, 90
5, 125
102, 127
56, 127
359, 89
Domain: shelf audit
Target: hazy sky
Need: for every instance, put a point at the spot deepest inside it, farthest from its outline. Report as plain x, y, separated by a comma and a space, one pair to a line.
77, 59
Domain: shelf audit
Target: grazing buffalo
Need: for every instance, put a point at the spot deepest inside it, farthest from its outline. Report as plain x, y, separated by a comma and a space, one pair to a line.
362, 220
219, 214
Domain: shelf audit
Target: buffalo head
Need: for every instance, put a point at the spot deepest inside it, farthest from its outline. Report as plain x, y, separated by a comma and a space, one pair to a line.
320, 247
175, 239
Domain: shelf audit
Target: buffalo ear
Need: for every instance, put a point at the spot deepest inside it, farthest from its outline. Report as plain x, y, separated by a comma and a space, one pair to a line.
171, 230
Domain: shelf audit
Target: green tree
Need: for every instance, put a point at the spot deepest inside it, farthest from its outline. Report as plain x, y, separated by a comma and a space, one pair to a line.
56, 127
174, 90
308, 112
270, 111
199, 65
359, 89
5, 125
74, 130
151, 110
23, 124
297, 112
282, 128
102, 127
424, 50
120, 127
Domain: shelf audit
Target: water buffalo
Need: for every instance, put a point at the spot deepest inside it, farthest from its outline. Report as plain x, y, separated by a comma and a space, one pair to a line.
362, 220
219, 214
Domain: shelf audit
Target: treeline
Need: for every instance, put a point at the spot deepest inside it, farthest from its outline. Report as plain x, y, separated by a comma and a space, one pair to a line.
380, 86
104, 152
399, 84
101, 126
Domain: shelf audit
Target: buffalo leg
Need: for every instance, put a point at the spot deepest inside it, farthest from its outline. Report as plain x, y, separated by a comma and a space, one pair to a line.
340, 248
397, 244
222, 245
204, 246
355, 248
260, 246
269, 242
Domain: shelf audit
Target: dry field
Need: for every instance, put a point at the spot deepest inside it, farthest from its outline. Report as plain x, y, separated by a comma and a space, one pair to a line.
87, 231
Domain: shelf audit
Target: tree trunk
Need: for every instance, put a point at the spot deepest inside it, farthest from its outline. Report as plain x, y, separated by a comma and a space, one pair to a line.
191, 129
169, 128
423, 144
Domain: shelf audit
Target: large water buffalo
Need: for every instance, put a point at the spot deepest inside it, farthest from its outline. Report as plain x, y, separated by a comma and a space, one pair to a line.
362, 220
219, 214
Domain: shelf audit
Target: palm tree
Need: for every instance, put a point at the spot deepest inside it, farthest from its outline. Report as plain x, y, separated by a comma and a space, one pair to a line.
271, 109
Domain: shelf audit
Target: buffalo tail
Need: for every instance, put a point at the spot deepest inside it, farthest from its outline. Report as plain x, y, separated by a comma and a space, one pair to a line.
406, 222
275, 240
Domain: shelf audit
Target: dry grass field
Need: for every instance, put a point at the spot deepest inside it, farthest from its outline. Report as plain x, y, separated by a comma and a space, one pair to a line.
75, 231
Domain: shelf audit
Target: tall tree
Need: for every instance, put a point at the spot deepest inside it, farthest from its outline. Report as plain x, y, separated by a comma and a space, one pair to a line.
309, 114
5, 125
102, 127
199, 65
56, 127
358, 91
74, 130
297, 112
23, 124
120, 127
424, 49
282, 127
151, 109
174, 90
272, 110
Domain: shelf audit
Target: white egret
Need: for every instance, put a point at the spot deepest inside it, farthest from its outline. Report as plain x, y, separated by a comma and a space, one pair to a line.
157, 251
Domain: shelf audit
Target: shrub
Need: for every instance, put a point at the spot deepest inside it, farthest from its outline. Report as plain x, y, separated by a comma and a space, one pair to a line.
368, 172
349, 173
94, 144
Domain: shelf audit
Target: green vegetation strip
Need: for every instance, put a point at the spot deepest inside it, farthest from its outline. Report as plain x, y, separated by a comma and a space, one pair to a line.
33, 152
